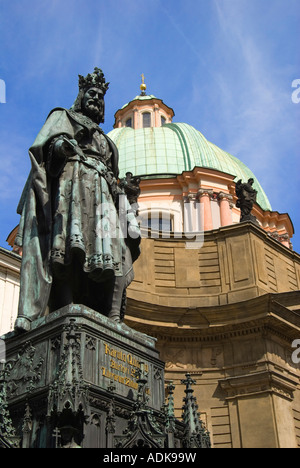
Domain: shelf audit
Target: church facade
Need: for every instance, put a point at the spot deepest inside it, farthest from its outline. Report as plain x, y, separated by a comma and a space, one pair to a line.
220, 296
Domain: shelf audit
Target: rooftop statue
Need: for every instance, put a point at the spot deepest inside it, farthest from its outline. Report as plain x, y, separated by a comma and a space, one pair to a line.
246, 198
131, 186
76, 247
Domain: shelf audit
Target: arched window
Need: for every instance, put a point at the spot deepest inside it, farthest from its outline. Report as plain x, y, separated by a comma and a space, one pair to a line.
128, 122
163, 120
146, 120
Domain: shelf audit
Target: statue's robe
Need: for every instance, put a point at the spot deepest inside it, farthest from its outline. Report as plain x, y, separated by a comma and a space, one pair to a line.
69, 211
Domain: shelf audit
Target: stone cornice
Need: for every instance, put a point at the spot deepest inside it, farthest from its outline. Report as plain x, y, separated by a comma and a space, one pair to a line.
213, 336
260, 382
264, 315
238, 229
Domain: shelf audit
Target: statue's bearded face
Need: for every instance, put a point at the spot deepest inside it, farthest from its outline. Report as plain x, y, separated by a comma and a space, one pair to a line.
93, 104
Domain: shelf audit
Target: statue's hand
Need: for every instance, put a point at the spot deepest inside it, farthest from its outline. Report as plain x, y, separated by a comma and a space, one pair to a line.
69, 146
65, 147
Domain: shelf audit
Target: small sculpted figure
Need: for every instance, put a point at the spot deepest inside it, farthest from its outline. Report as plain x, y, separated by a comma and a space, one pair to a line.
246, 198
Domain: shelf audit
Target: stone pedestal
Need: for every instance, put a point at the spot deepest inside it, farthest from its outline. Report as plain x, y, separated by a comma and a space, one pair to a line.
74, 379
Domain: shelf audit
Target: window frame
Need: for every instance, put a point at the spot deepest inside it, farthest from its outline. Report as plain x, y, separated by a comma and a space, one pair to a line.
148, 114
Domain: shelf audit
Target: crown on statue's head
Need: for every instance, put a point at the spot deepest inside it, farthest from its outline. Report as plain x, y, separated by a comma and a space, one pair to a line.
95, 79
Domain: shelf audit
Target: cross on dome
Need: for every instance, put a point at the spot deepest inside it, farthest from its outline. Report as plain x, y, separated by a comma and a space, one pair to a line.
143, 86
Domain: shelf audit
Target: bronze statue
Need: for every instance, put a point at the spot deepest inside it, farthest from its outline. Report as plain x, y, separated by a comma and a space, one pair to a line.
246, 198
76, 249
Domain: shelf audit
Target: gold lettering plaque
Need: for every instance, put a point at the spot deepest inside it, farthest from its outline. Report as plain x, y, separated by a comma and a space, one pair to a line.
122, 367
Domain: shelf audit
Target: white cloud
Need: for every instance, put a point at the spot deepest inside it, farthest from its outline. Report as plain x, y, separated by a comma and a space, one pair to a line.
254, 98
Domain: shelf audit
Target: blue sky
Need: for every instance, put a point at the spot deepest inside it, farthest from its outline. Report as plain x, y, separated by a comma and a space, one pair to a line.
225, 66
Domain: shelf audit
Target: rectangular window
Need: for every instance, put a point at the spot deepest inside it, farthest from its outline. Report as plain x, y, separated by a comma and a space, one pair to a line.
146, 120
158, 222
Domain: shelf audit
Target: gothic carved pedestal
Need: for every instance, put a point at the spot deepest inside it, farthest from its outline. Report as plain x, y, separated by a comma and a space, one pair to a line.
78, 379
78, 373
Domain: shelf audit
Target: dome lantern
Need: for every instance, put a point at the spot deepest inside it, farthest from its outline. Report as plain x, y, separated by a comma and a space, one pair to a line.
144, 111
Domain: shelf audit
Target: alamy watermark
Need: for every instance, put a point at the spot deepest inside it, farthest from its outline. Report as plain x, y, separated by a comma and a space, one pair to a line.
155, 222
296, 93
2, 92
296, 353
2, 352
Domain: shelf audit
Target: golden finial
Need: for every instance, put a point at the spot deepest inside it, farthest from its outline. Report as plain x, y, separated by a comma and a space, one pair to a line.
143, 87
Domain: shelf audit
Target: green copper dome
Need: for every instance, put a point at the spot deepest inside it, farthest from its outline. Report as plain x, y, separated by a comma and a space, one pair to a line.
174, 148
